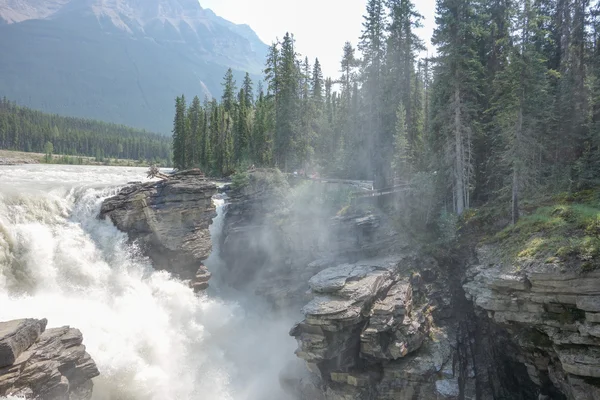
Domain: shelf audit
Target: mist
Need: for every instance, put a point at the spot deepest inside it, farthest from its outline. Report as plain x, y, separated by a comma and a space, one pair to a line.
149, 334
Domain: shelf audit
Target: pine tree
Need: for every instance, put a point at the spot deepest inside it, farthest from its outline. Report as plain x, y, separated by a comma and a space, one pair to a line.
179, 134
372, 46
229, 91
348, 64
522, 93
316, 84
458, 73
247, 86
193, 145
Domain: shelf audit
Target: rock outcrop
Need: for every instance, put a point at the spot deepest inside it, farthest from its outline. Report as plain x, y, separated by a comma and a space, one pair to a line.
368, 333
552, 315
40, 363
169, 219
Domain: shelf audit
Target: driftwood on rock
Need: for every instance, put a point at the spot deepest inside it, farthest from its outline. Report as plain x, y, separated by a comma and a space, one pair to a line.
154, 172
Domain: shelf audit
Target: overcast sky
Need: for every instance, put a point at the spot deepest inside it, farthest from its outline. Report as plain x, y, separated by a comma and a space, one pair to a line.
320, 26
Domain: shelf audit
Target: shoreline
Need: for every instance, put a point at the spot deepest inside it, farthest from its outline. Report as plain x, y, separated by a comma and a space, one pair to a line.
12, 158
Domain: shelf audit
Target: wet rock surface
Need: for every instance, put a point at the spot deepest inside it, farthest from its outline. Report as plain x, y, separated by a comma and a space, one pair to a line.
40, 363
169, 219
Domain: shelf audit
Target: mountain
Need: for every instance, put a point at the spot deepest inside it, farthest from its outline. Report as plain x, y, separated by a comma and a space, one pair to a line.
121, 61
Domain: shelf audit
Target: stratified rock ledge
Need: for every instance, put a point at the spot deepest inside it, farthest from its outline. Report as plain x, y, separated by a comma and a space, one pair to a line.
36, 363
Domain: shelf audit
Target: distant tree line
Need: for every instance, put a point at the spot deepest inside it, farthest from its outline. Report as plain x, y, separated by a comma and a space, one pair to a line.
508, 108
28, 130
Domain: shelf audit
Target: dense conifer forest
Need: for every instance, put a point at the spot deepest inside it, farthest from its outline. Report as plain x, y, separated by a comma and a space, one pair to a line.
508, 108
28, 130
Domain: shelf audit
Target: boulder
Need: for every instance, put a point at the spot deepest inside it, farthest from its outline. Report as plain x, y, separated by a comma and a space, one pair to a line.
50, 364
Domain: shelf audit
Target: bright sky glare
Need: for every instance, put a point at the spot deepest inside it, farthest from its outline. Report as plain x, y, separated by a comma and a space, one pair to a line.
320, 26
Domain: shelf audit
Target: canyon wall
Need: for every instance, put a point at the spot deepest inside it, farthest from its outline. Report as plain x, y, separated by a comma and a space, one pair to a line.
381, 318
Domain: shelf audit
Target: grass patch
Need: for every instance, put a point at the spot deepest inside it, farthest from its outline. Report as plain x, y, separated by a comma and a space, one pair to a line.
567, 231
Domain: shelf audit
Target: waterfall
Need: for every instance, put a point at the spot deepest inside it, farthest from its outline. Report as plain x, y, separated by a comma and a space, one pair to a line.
150, 336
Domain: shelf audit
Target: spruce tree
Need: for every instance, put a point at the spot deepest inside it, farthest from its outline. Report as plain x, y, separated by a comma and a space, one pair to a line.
403, 44
372, 45
286, 104
247, 86
459, 72
317, 83
179, 134
193, 145
229, 91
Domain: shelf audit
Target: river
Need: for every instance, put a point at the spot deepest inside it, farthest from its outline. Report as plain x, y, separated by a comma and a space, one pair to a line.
150, 336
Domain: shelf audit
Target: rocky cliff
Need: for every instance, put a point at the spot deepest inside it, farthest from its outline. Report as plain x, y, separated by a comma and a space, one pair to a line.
383, 323
49, 364
385, 320
552, 315
169, 220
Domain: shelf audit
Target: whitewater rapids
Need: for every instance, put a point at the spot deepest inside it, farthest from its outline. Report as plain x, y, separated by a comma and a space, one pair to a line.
149, 335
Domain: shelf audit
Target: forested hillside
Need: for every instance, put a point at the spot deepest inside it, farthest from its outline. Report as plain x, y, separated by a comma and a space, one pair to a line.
509, 106
29, 130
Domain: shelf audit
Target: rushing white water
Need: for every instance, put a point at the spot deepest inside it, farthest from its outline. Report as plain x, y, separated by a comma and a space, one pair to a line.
150, 336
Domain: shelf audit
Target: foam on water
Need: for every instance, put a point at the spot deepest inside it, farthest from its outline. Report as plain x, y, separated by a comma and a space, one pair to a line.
150, 336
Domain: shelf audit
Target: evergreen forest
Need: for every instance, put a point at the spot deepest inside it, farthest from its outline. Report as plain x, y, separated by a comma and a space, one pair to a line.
28, 130
507, 108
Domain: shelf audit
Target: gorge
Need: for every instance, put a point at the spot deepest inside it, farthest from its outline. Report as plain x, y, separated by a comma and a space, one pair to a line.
381, 318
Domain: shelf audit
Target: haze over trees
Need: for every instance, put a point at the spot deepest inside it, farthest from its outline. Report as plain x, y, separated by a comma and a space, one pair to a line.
507, 108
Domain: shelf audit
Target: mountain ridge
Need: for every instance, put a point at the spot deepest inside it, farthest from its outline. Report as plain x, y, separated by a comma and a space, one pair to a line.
119, 61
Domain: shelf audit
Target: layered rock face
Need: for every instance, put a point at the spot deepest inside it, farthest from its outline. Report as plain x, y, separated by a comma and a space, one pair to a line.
49, 364
169, 220
553, 317
369, 334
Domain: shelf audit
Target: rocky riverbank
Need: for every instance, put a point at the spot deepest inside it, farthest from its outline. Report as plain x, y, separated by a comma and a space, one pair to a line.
18, 158
40, 363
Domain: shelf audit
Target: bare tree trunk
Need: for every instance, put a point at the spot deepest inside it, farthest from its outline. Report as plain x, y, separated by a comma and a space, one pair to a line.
459, 184
517, 163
